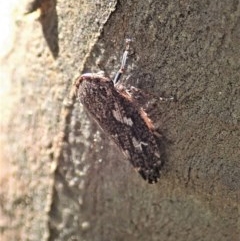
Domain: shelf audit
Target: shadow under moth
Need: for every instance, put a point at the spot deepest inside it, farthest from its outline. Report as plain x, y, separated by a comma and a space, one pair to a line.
121, 117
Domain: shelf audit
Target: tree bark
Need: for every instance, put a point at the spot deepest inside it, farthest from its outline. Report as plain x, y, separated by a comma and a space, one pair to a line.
61, 177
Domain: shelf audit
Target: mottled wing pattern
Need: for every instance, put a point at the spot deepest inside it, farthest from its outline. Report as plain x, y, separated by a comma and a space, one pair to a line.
126, 123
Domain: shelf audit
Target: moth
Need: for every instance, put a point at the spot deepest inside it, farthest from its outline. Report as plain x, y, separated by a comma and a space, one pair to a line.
121, 117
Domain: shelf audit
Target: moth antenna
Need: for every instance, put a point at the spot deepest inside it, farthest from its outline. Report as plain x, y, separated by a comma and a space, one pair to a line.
123, 63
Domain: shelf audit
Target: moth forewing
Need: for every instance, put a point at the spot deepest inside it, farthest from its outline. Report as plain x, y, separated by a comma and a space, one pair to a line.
123, 121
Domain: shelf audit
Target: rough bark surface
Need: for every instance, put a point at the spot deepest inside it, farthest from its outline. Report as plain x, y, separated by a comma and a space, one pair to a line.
61, 178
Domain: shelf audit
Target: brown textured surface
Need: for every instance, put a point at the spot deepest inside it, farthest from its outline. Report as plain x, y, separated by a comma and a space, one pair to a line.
122, 121
65, 181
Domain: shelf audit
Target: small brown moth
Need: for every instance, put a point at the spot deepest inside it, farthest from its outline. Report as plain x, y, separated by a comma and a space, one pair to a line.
119, 115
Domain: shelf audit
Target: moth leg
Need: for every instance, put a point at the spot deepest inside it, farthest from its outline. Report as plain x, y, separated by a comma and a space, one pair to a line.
123, 64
